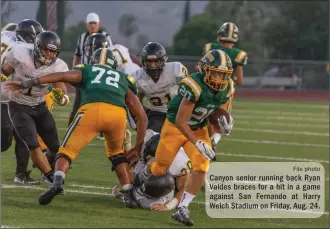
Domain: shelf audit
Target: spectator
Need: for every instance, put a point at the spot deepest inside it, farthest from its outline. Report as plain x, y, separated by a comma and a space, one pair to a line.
80, 57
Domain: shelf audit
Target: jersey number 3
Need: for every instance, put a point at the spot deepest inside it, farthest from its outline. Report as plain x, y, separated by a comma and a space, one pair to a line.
112, 76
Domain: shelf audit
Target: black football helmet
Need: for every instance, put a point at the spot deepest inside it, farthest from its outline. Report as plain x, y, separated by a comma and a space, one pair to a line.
47, 41
158, 186
153, 51
9, 27
94, 42
228, 32
27, 30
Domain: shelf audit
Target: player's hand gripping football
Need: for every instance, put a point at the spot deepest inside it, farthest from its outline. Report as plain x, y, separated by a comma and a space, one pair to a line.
59, 97
204, 149
225, 126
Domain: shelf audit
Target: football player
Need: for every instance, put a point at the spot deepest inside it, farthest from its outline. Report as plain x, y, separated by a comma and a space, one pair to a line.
26, 32
27, 109
198, 95
157, 81
92, 43
105, 92
228, 36
159, 193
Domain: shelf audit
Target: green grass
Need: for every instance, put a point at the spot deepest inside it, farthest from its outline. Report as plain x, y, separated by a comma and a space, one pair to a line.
265, 132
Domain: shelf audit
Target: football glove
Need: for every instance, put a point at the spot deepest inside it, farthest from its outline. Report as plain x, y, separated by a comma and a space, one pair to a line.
214, 140
225, 126
3, 78
205, 150
59, 97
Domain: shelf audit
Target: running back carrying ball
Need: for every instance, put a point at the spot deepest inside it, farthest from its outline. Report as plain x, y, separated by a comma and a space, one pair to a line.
217, 117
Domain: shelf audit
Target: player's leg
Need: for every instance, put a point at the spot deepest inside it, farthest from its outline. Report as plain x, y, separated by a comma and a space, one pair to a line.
6, 129
81, 131
196, 178
113, 126
22, 119
156, 120
171, 139
22, 175
46, 128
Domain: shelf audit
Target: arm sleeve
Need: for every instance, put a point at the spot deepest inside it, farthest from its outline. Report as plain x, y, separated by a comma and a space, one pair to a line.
189, 89
132, 84
11, 58
241, 58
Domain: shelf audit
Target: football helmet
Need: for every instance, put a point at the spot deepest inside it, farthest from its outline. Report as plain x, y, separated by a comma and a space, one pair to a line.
9, 27
94, 42
153, 58
47, 47
104, 56
217, 69
150, 147
228, 32
27, 30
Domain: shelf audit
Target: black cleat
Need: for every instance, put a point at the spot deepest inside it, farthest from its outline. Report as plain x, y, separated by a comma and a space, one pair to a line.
182, 216
128, 199
26, 179
47, 197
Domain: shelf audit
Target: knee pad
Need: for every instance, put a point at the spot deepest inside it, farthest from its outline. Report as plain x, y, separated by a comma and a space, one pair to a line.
61, 155
158, 169
117, 160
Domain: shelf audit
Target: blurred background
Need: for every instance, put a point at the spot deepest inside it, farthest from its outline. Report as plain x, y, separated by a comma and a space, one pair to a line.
287, 41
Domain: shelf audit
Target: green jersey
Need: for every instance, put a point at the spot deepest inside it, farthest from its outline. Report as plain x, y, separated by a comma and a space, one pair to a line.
195, 90
237, 56
103, 84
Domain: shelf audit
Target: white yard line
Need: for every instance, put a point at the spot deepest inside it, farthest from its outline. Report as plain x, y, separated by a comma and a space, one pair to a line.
277, 124
268, 142
282, 113
277, 104
281, 132
282, 118
271, 157
7, 186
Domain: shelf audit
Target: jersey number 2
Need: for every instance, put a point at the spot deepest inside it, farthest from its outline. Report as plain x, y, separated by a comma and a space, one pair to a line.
112, 76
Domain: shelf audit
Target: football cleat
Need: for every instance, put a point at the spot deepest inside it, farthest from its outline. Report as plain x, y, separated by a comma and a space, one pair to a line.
100, 136
47, 197
182, 216
26, 179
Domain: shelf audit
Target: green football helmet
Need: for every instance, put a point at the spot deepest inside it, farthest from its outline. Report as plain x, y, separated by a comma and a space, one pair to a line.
104, 56
217, 69
9, 27
228, 32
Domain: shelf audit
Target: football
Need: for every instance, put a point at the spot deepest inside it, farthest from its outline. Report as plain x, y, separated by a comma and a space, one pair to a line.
213, 118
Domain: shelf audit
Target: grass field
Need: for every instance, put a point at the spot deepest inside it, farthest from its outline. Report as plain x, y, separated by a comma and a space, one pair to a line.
269, 131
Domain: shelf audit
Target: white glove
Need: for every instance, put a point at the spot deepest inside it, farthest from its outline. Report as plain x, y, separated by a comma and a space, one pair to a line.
204, 149
225, 127
214, 140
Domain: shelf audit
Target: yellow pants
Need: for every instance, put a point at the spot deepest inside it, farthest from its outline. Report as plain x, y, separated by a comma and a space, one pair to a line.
91, 119
171, 139
49, 104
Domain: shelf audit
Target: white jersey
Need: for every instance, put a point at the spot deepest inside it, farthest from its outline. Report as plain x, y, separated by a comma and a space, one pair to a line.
180, 166
160, 94
21, 58
8, 40
125, 63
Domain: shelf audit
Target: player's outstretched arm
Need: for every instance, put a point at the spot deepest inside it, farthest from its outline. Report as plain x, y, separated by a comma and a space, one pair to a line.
135, 107
185, 110
73, 76
239, 75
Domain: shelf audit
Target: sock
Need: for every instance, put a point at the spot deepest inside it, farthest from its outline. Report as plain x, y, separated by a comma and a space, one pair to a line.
186, 199
127, 186
58, 179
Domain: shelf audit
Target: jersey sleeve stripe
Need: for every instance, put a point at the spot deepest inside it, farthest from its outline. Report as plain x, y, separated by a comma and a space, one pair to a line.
131, 79
240, 56
193, 85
